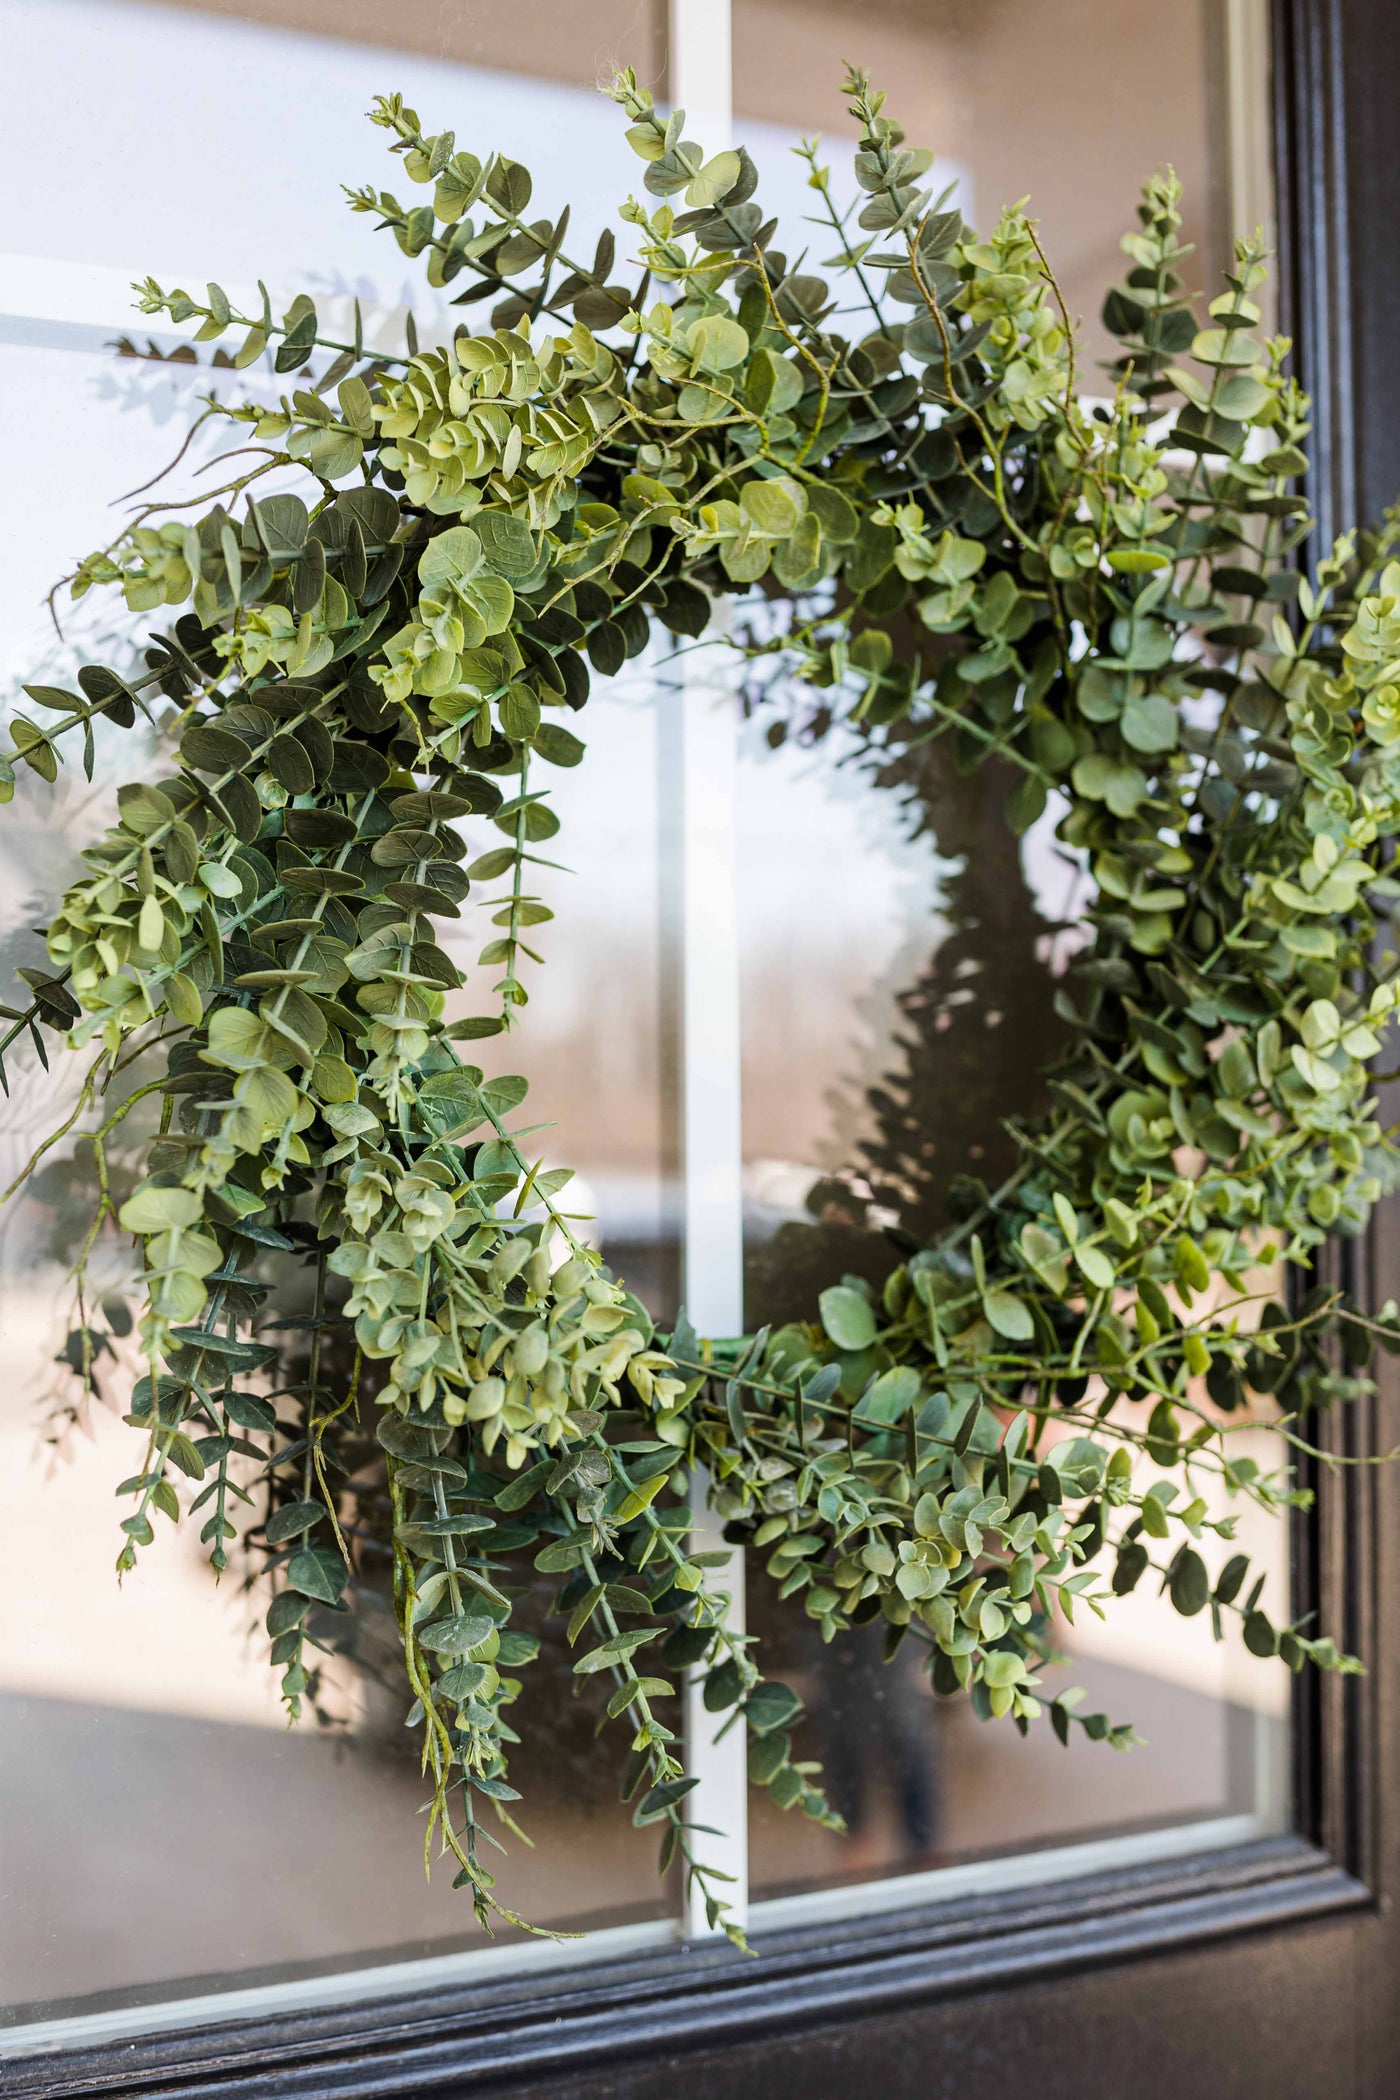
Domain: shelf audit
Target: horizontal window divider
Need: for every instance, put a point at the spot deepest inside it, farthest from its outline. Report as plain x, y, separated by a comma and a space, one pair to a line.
512, 2030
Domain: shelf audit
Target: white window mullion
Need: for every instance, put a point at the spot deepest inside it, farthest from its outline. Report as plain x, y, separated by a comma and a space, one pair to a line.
713, 1202
699, 74
712, 1137
698, 64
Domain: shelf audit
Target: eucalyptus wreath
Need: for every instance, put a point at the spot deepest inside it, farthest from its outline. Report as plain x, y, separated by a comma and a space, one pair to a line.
932, 522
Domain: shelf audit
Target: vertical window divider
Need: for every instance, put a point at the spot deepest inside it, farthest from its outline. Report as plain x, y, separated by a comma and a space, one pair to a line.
699, 81
711, 1134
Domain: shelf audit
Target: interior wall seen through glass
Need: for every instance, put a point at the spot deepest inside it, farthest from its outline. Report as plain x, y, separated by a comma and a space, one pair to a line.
1072, 106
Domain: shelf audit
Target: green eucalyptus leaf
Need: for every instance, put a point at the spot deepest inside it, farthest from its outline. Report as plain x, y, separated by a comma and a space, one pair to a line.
848, 1317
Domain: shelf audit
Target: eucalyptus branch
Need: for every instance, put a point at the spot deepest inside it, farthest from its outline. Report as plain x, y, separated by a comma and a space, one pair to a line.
964, 549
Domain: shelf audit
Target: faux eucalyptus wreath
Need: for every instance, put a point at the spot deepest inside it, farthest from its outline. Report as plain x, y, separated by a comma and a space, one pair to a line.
929, 525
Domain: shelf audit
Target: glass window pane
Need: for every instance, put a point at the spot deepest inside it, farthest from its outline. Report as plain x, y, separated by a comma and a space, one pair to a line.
597, 1040
1067, 103
900, 956
892, 931
897, 933
238, 171
154, 1800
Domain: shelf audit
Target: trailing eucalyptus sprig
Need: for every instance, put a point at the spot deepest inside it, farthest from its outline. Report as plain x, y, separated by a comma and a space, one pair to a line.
1098, 591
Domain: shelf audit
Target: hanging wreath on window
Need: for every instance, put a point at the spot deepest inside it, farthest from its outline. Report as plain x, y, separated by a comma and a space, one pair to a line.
1098, 592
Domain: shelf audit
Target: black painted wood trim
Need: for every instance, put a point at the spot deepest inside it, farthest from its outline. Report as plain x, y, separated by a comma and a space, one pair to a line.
465, 2040
1314, 263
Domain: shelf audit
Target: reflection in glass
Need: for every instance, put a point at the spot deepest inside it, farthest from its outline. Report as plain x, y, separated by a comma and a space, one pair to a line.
141, 1741
900, 947
143, 1752
899, 962
891, 936
597, 1038
259, 123
150, 1788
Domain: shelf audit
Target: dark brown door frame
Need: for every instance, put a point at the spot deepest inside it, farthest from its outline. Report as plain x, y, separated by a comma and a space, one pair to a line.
1271, 1969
